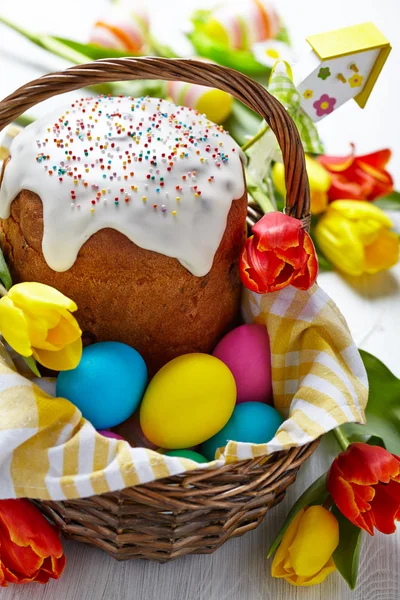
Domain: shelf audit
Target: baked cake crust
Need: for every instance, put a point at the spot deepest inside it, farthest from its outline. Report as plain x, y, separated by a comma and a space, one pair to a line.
135, 208
128, 294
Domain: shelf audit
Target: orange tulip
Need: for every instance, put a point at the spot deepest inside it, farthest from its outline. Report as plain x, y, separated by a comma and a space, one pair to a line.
30, 548
358, 177
280, 253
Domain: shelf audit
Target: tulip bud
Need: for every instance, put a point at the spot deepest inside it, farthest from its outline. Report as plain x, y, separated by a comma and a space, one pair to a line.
304, 556
280, 253
318, 178
30, 548
364, 482
355, 236
358, 177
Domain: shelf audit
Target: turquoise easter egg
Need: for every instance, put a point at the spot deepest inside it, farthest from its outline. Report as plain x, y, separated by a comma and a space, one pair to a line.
253, 422
107, 385
191, 454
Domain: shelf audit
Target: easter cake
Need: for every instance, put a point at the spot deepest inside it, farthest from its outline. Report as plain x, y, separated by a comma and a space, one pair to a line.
135, 209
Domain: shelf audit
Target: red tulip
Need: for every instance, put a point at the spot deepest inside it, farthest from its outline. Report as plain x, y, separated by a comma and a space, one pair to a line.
364, 482
30, 548
280, 253
358, 177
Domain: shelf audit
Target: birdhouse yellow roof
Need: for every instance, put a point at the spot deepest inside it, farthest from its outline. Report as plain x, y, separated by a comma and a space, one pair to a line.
353, 40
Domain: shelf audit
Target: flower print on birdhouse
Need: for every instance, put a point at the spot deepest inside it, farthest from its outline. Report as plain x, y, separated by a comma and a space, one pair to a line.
356, 80
324, 73
343, 64
324, 105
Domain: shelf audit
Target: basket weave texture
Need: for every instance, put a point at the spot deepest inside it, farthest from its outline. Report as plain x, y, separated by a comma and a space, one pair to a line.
195, 512
192, 514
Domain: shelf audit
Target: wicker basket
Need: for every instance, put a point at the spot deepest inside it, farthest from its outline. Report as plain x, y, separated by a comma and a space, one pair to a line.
198, 511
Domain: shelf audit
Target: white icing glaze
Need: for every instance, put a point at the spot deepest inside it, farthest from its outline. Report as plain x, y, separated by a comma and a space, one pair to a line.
96, 150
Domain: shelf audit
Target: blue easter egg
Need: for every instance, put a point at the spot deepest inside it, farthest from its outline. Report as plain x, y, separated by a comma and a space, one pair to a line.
107, 385
253, 422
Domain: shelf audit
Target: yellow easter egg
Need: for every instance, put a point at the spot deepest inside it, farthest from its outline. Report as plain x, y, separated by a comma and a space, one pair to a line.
216, 31
189, 400
216, 104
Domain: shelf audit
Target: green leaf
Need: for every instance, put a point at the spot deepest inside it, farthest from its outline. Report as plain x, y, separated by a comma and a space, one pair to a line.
259, 194
160, 49
383, 408
242, 123
32, 365
93, 51
375, 440
279, 200
315, 494
371, 440
200, 16
57, 47
47, 42
64, 47
242, 60
347, 554
389, 202
24, 120
5, 275
53, 45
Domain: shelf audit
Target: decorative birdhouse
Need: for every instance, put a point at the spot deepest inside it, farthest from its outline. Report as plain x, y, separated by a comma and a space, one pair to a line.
343, 64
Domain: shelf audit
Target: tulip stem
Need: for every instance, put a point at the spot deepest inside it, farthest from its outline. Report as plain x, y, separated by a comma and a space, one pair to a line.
342, 440
255, 138
3, 291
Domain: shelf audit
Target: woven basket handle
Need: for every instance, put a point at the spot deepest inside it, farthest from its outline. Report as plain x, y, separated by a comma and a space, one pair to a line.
251, 93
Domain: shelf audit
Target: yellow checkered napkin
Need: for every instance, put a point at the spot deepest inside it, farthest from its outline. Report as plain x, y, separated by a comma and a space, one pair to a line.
48, 451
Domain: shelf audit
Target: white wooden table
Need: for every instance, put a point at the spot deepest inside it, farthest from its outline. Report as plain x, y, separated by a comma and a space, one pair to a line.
239, 570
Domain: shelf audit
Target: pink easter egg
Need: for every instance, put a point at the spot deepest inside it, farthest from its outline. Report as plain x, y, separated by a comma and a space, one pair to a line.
110, 434
246, 351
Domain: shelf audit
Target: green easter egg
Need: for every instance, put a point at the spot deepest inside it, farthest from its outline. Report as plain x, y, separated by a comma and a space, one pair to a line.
187, 454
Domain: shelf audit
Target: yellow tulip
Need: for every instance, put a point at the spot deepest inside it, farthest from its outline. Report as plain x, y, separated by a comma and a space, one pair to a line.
304, 556
36, 320
318, 178
355, 236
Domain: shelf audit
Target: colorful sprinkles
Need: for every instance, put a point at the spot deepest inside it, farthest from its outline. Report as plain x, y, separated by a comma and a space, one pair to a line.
100, 138
162, 175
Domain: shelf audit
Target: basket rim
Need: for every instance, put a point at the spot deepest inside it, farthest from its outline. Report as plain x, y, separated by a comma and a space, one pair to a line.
292, 458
